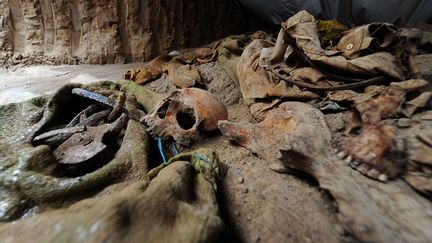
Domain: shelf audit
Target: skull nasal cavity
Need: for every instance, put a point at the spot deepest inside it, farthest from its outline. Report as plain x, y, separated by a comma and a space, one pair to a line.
163, 110
186, 120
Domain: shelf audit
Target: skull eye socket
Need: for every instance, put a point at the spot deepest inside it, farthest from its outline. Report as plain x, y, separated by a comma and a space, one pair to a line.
186, 119
161, 112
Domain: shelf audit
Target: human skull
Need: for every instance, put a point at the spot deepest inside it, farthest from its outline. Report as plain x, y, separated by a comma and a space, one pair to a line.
184, 113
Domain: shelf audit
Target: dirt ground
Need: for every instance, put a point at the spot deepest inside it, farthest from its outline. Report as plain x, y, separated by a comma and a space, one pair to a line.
260, 204
259, 201
21, 83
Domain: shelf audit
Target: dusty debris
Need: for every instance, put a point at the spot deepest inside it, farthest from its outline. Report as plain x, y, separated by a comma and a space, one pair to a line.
217, 81
183, 76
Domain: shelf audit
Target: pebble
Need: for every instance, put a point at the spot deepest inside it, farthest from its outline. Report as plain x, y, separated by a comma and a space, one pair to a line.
404, 123
240, 180
278, 168
245, 190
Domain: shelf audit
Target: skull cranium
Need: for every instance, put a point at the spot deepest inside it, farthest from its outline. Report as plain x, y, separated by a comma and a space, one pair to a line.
184, 113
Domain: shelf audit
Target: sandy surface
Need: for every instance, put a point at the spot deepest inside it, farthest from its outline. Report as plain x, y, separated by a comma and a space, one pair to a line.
20, 84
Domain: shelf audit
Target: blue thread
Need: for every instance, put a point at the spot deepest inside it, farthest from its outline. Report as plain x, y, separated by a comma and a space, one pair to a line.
159, 140
201, 157
175, 148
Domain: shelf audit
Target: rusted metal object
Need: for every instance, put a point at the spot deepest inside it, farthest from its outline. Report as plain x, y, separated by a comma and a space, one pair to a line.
84, 113
50, 134
118, 107
94, 119
93, 96
84, 136
85, 145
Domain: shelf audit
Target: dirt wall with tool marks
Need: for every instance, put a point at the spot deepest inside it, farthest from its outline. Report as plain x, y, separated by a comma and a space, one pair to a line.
112, 31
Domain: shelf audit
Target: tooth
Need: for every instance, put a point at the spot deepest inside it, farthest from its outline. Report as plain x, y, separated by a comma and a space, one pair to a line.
348, 159
373, 173
341, 154
382, 178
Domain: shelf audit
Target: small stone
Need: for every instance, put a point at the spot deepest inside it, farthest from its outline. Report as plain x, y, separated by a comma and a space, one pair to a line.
348, 159
240, 180
341, 154
373, 173
404, 123
382, 177
278, 168
248, 218
245, 190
